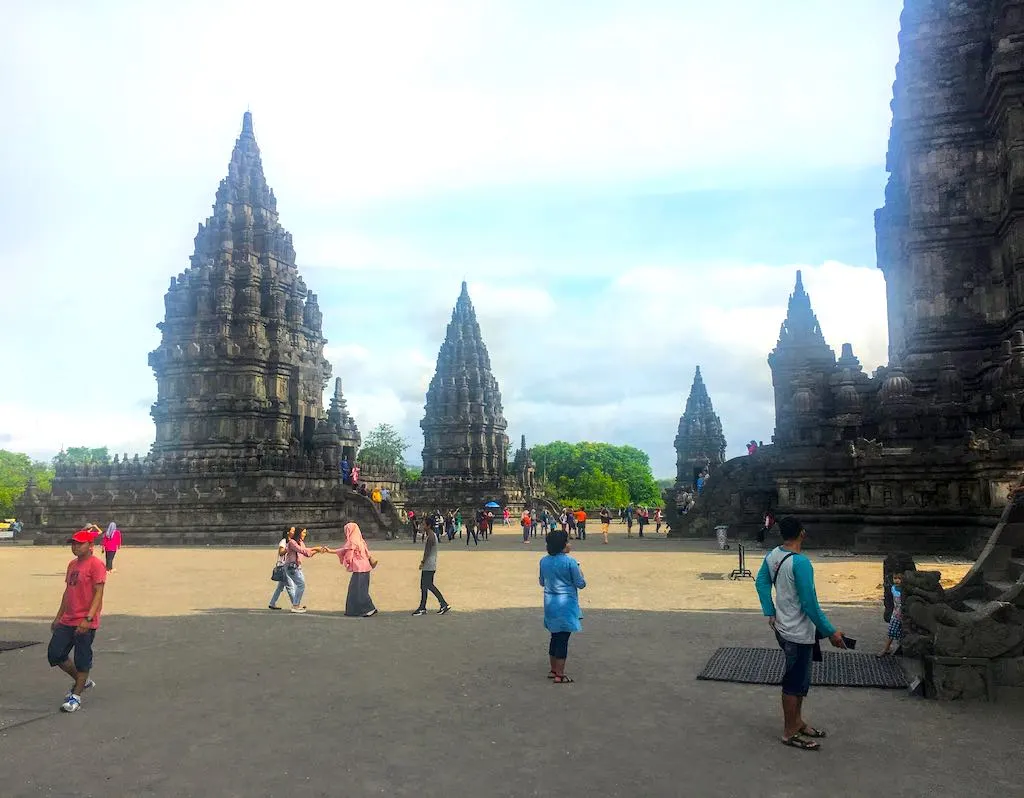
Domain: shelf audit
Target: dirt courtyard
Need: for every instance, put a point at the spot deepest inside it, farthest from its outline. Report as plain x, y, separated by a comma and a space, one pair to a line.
203, 691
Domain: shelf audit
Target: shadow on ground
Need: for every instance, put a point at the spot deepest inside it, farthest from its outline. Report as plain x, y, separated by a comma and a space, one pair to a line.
260, 703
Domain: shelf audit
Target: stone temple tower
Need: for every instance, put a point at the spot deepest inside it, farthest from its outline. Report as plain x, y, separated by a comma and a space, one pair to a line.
244, 447
465, 445
700, 442
240, 366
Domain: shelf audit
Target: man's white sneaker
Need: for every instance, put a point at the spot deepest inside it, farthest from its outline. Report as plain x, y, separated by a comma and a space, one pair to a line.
298, 609
88, 683
73, 704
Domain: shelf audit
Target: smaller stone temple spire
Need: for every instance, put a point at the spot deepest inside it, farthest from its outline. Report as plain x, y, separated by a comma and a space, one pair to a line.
700, 441
339, 418
801, 329
464, 424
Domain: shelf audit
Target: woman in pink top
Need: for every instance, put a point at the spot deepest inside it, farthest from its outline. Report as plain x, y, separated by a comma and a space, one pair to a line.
111, 543
293, 568
356, 557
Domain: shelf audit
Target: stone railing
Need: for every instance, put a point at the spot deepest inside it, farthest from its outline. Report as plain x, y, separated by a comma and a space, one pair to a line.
161, 465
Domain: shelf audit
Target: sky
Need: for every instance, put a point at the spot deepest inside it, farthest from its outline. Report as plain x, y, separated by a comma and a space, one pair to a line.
628, 187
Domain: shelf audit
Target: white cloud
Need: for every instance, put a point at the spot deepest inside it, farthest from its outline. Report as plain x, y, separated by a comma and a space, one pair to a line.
41, 433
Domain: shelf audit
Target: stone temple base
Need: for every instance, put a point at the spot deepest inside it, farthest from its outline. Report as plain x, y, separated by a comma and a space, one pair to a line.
206, 509
446, 493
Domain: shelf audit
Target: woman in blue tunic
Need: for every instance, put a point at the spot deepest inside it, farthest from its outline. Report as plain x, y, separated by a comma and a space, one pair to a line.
562, 579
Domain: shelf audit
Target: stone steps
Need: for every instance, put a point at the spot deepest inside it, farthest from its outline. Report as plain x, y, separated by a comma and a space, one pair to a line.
995, 588
1015, 567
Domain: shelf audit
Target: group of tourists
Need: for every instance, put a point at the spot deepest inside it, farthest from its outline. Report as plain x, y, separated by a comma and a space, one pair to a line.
785, 588
642, 516
450, 524
354, 555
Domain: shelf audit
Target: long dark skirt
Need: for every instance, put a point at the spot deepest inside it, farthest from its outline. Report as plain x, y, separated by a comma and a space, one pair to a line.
359, 601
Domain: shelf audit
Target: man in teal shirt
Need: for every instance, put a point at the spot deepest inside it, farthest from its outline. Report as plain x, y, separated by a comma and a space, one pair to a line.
798, 622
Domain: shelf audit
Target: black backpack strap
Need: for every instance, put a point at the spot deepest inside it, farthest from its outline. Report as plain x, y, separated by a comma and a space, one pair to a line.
778, 567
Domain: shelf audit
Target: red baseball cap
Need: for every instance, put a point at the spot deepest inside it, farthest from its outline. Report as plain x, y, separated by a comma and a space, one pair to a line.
82, 536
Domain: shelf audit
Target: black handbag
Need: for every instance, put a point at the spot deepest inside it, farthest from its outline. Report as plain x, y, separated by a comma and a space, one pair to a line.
277, 575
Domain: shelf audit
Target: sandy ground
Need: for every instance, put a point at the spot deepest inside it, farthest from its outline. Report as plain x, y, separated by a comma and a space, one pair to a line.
649, 574
202, 691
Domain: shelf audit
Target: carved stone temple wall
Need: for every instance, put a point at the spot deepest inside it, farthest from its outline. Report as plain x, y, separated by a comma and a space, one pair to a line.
465, 444
920, 455
243, 443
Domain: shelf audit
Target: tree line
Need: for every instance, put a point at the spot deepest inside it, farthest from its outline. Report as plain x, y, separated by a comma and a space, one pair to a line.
578, 474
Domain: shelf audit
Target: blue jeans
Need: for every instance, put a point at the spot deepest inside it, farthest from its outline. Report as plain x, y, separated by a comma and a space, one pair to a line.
285, 584
299, 582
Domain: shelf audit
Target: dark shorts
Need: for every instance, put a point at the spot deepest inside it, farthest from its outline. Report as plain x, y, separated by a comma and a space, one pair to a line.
64, 639
796, 681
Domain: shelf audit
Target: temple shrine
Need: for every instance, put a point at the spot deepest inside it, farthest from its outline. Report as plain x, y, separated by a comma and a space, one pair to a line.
244, 446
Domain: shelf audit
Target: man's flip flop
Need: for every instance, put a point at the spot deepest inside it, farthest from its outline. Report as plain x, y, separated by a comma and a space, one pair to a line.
796, 741
563, 679
810, 731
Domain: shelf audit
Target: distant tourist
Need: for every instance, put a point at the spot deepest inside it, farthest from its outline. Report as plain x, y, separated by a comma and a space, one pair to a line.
346, 471
581, 524
111, 543
428, 567
355, 476
413, 522
375, 497
752, 447
659, 519
798, 623
506, 514
896, 619
284, 581
356, 557
78, 618
296, 551
606, 520
458, 521
533, 523
490, 524
700, 484
525, 522
449, 525
769, 522
642, 518
471, 523
629, 521
562, 579
385, 495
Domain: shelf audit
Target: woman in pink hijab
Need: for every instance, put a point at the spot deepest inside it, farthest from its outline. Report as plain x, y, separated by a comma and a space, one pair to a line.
356, 557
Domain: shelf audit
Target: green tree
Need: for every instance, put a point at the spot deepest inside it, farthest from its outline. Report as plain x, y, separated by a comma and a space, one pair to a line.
384, 445
82, 455
586, 473
15, 470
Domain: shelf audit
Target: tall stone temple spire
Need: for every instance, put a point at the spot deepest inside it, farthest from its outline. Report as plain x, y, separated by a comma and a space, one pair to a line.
240, 368
463, 424
243, 444
700, 441
802, 364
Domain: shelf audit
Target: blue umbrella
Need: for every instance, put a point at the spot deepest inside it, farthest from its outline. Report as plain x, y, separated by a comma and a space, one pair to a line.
492, 504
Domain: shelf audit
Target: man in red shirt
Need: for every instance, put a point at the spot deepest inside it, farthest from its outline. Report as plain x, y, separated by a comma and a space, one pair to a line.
78, 618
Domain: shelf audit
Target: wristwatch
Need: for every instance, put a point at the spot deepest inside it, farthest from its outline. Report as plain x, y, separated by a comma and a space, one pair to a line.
88, 618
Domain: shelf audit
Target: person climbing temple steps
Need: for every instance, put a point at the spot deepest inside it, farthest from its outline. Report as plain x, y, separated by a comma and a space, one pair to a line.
428, 567
798, 622
562, 579
78, 618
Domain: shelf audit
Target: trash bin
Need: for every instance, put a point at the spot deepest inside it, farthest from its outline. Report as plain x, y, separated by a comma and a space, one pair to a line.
722, 532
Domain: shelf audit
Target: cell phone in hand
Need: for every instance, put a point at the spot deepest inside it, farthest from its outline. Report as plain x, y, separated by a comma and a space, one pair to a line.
850, 642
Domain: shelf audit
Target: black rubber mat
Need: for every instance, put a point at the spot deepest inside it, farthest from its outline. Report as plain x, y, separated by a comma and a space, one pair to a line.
10, 645
766, 666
